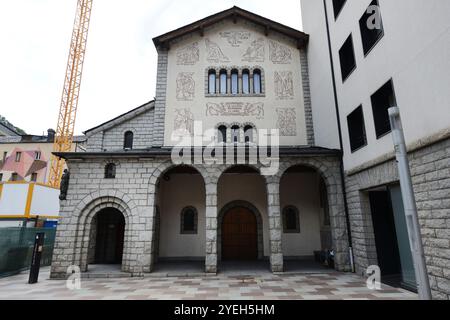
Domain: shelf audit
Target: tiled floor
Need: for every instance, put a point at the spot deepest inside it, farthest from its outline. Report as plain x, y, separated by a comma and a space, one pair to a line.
225, 286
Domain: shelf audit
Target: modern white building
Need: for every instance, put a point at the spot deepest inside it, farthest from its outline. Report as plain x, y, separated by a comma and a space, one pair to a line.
403, 61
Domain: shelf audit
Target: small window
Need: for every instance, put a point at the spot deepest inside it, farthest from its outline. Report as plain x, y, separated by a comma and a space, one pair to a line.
37, 155
248, 133
5, 154
291, 220
371, 27
110, 171
1, 177
337, 7
234, 82
18, 156
356, 129
347, 58
257, 86
14, 177
212, 81
189, 220
223, 81
245, 82
33, 177
235, 134
382, 100
222, 134
128, 140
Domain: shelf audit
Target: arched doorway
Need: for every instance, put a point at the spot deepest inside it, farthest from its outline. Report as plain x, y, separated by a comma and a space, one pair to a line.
239, 235
109, 237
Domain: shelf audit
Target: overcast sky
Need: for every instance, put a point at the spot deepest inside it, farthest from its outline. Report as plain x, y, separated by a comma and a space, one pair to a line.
120, 65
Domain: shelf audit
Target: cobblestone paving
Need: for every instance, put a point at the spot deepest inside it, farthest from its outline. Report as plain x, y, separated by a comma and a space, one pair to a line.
334, 286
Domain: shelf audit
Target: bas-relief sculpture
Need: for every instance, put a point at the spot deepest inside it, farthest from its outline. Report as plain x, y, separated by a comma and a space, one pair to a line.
287, 122
185, 86
236, 109
279, 54
235, 38
214, 53
284, 85
256, 51
188, 55
183, 122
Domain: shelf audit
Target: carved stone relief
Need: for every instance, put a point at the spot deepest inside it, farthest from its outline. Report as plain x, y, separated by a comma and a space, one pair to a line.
188, 55
183, 122
214, 52
279, 54
235, 38
284, 85
256, 51
235, 109
185, 86
287, 122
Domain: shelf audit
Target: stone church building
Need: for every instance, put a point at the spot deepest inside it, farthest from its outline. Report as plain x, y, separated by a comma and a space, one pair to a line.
225, 79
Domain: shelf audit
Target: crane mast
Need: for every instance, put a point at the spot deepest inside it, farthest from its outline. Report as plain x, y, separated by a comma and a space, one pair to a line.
69, 100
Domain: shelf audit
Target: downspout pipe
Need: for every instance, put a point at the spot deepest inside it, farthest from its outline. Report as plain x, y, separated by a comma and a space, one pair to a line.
336, 104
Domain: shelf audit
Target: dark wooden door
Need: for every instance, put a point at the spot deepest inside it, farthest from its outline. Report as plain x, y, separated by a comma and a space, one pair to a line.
110, 237
239, 235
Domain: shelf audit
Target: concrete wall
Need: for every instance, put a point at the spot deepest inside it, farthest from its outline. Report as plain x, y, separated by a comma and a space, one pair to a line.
194, 107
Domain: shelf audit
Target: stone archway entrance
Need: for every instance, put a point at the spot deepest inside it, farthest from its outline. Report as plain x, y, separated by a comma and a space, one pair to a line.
239, 235
109, 238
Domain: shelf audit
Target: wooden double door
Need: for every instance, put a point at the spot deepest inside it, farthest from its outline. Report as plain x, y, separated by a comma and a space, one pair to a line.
239, 235
110, 237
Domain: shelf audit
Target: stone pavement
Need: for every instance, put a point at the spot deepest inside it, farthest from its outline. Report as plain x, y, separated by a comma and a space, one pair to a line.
331, 285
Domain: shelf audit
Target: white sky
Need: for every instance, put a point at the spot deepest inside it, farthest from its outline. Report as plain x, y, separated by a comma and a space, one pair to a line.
120, 66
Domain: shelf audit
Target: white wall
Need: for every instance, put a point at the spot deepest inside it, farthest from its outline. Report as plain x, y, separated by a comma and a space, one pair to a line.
45, 201
13, 199
413, 52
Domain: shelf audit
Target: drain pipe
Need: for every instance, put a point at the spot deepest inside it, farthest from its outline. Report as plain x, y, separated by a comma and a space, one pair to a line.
344, 193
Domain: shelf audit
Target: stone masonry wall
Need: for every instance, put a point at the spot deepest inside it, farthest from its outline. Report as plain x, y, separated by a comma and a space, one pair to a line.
430, 170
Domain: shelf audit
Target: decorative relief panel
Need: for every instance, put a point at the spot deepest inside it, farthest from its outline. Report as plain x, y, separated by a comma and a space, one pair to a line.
235, 38
188, 55
256, 51
287, 122
284, 85
236, 109
185, 86
214, 52
279, 54
183, 122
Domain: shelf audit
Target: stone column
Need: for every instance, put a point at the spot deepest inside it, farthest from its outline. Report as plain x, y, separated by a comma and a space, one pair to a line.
211, 228
275, 229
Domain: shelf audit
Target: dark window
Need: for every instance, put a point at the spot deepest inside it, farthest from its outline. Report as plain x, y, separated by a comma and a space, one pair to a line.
235, 134
128, 140
371, 27
356, 129
234, 82
382, 100
337, 7
248, 133
212, 81
347, 58
189, 221
37, 155
291, 220
33, 177
257, 82
5, 154
245, 82
223, 81
110, 171
14, 177
18, 156
222, 131
1, 177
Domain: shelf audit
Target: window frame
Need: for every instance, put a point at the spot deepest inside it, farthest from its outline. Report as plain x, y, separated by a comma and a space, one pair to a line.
110, 166
250, 128
182, 226
350, 135
18, 156
37, 155
212, 73
380, 36
16, 175
125, 140
353, 68
259, 73
234, 74
376, 118
235, 132
221, 134
32, 179
297, 215
246, 72
223, 85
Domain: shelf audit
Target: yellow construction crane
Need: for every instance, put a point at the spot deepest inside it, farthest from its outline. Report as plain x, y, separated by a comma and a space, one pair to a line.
69, 101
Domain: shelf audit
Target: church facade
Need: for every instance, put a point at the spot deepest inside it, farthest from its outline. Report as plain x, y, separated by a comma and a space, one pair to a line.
222, 165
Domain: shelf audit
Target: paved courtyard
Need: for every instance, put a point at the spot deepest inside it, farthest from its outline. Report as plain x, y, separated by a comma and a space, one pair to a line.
332, 285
